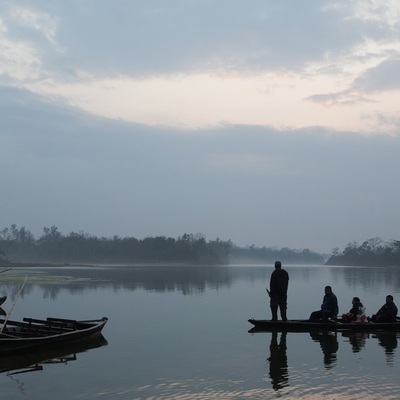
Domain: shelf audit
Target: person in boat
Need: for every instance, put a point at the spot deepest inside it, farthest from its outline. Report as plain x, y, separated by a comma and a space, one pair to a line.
387, 313
329, 308
355, 311
278, 286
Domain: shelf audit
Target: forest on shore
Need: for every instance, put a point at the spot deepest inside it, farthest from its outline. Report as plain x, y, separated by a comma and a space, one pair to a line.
373, 252
19, 245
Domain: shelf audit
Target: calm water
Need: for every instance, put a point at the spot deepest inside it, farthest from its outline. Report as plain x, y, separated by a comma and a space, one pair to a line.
182, 333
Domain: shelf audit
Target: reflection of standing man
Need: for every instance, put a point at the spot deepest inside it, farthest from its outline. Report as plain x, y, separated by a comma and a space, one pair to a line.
278, 287
278, 367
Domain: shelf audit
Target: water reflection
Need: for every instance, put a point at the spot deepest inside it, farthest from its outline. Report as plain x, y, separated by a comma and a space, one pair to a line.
34, 360
357, 340
369, 277
387, 340
186, 279
278, 366
158, 329
329, 346
183, 278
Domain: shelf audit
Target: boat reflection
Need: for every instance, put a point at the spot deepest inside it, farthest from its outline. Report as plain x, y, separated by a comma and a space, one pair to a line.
35, 360
278, 366
329, 346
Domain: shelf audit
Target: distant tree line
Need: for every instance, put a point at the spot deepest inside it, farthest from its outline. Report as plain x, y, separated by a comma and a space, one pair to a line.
20, 245
253, 254
3, 258
52, 246
373, 252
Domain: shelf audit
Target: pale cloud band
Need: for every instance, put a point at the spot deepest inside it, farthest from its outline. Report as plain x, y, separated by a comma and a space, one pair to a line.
333, 64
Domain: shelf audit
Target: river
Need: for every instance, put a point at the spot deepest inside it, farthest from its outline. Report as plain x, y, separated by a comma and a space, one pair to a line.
181, 332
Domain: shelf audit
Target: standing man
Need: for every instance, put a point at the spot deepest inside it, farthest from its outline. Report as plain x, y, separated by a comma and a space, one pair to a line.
278, 287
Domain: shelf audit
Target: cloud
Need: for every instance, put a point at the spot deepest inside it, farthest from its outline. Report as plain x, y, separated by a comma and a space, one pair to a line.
151, 37
383, 77
34, 21
374, 90
19, 61
241, 121
204, 63
298, 188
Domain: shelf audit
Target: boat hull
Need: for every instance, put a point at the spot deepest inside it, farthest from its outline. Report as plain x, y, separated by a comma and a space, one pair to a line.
36, 334
306, 326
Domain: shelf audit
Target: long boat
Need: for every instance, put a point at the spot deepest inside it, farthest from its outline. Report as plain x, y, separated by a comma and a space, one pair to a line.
304, 325
37, 333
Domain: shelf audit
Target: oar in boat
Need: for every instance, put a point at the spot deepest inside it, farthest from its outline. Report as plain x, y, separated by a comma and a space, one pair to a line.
335, 321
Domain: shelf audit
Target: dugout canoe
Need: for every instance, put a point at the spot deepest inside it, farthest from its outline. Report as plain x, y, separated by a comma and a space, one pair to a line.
304, 325
37, 333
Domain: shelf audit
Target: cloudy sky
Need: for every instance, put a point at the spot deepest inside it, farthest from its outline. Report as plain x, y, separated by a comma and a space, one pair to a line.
271, 123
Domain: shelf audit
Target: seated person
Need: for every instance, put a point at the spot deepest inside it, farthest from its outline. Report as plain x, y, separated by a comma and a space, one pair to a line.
329, 307
352, 315
387, 313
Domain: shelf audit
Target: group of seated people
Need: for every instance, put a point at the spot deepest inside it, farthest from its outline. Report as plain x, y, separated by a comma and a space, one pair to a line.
330, 310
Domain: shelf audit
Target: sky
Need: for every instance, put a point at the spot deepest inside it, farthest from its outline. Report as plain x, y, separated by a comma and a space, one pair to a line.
267, 123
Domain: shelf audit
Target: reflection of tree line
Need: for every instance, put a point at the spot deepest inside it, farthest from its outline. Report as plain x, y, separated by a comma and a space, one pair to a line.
370, 277
152, 278
278, 360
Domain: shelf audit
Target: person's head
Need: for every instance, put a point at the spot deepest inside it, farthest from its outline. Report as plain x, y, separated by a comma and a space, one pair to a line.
356, 300
278, 264
389, 298
328, 290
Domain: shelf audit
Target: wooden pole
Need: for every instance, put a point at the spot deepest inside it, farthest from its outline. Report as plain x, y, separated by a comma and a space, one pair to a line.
5, 270
12, 307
